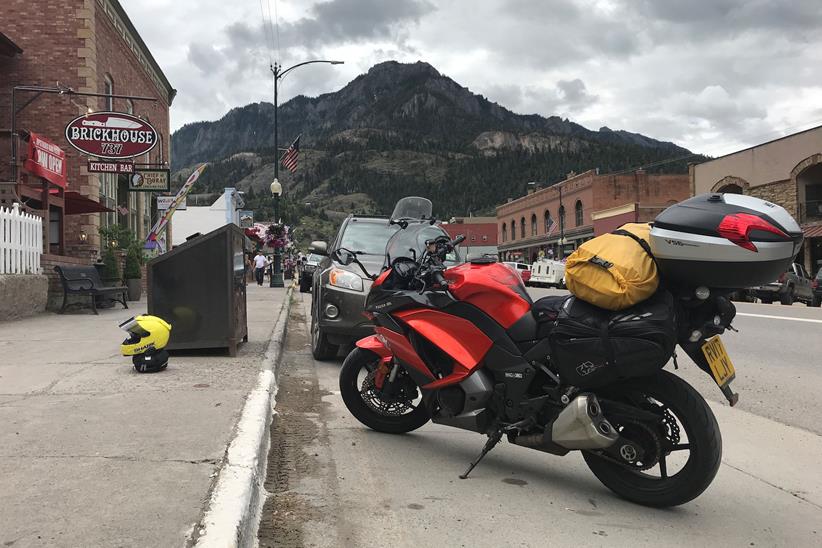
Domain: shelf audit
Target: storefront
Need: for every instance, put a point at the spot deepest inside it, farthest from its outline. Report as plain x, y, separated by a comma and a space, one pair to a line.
105, 107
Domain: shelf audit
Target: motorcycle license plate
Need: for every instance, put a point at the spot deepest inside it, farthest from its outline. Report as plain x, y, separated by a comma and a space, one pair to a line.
722, 368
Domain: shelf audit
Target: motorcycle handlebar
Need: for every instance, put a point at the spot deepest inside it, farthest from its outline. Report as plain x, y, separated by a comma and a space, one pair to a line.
438, 278
458, 240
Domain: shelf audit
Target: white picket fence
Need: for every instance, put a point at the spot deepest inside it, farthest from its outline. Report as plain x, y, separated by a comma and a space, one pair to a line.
21, 241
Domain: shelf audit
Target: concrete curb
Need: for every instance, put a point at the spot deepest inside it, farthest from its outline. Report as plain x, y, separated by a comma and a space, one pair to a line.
232, 516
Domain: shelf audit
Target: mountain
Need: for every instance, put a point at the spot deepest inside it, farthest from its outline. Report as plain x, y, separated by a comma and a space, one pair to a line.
400, 129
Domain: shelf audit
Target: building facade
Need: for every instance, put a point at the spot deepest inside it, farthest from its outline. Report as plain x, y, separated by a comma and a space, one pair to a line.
558, 219
480, 235
786, 171
72, 48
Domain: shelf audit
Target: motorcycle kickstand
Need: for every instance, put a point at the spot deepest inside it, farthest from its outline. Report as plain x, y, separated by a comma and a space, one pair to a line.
493, 440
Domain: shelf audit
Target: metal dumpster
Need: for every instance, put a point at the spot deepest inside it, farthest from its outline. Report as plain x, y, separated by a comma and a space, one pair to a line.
199, 288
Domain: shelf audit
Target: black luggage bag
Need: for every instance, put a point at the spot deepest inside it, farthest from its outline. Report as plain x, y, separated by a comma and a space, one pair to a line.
593, 347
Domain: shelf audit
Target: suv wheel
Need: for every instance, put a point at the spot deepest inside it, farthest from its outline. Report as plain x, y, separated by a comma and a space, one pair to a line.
787, 297
321, 349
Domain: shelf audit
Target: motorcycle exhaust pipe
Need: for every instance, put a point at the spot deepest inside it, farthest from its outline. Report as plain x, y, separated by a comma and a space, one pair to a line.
580, 425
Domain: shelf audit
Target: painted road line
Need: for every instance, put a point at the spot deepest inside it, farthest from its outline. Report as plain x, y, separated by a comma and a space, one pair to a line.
778, 317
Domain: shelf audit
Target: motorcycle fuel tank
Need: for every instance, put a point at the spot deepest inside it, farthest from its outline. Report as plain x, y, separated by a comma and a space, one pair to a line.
494, 288
724, 241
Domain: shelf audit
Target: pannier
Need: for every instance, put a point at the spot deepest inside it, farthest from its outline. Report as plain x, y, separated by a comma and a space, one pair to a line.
724, 241
615, 270
592, 347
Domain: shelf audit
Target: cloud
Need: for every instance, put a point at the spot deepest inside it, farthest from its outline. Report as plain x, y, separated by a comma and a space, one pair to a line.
707, 74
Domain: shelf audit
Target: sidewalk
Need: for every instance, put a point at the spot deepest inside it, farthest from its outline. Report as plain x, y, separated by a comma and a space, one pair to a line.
93, 453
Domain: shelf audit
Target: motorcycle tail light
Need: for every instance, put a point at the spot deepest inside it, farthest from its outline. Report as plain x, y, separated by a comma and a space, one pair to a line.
737, 227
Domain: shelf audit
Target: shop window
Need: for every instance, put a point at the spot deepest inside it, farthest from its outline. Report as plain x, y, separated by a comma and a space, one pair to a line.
108, 89
533, 224
578, 213
108, 198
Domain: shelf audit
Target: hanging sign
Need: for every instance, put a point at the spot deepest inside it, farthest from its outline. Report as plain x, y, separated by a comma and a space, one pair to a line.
110, 167
46, 160
149, 180
165, 202
246, 218
111, 135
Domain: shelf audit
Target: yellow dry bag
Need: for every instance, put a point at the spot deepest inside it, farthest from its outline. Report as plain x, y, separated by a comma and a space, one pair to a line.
615, 270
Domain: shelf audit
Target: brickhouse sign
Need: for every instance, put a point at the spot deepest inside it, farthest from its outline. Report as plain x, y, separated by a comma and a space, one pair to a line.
46, 160
111, 135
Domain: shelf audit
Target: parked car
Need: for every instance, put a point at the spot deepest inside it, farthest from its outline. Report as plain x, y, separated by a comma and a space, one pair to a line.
307, 269
793, 285
816, 285
523, 269
339, 291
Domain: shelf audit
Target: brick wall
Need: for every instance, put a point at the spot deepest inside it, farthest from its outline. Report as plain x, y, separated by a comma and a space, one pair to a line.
640, 188
48, 262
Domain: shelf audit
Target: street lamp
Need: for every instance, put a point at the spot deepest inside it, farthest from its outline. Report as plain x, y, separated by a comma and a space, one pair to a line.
276, 273
278, 71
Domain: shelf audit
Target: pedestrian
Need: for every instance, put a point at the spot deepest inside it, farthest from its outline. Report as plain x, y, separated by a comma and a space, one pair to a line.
551, 253
260, 262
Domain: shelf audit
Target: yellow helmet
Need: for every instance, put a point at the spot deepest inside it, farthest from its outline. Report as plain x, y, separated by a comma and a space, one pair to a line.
148, 336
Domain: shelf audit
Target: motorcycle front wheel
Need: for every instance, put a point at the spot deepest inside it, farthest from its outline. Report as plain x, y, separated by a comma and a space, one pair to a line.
682, 455
399, 413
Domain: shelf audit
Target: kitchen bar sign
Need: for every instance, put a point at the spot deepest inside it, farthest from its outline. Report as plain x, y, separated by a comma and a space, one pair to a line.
149, 180
110, 167
111, 135
46, 160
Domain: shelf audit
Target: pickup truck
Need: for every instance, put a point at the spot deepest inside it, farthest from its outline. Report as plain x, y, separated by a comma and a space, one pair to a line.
793, 285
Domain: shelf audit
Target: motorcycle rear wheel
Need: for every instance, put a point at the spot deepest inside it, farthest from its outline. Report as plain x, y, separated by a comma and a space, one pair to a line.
704, 443
357, 392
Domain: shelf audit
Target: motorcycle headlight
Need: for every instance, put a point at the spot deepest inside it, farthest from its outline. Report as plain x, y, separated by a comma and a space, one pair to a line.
345, 279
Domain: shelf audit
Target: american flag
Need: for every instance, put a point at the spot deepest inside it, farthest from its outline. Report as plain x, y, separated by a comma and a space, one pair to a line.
551, 226
289, 159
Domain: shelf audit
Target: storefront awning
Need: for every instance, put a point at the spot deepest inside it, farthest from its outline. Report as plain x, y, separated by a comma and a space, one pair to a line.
76, 204
814, 231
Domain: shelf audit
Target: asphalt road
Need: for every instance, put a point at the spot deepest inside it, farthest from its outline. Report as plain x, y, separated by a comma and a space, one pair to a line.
336, 483
777, 354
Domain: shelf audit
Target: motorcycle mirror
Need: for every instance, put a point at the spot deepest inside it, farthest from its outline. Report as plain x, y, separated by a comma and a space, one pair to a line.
343, 256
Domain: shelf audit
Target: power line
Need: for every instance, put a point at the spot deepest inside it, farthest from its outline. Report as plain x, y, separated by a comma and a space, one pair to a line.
268, 42
277, 28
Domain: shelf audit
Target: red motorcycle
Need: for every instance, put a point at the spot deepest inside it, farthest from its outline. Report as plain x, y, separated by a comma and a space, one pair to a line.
466, 346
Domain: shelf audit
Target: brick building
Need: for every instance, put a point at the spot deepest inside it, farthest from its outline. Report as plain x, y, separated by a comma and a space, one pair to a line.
785, 171
566, 214
85, 46
480, 235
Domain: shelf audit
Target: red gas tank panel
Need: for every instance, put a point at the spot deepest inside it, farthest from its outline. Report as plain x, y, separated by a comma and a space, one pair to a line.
460, 339
493, 288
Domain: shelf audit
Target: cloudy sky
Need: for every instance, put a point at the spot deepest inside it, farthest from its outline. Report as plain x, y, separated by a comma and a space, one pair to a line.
711, 75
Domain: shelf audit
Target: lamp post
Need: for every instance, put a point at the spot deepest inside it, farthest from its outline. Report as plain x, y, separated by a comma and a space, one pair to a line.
278, 71
276, 273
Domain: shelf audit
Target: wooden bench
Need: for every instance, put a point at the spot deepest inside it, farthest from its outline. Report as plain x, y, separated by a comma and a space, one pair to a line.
84, 280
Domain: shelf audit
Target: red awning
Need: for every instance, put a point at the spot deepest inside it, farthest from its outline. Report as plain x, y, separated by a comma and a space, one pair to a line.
76, 204
814, 231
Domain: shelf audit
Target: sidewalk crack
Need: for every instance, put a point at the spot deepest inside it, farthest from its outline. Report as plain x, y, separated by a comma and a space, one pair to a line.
766, 482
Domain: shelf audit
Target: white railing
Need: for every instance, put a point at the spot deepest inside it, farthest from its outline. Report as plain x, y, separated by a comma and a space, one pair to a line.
21, 241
